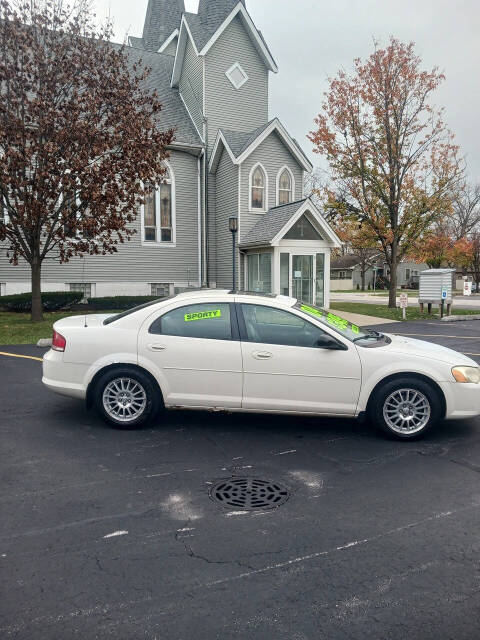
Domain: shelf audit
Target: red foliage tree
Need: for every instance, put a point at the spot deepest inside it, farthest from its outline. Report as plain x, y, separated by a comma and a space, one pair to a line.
80, 134
391, 156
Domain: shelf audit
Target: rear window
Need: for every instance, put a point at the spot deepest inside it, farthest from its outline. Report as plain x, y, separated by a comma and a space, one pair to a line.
129, 312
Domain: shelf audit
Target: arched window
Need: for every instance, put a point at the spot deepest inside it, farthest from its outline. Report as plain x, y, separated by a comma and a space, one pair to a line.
258, 188
158, 211
166, 224
285, 187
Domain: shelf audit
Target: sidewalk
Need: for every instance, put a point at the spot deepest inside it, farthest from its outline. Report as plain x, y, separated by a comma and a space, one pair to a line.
364, 321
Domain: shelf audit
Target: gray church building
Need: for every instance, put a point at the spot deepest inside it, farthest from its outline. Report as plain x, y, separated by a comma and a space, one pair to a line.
228, 159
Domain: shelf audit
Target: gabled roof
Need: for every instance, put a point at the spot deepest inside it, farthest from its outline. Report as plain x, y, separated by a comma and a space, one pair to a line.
173, 115
240, 145
208, 25
274, 224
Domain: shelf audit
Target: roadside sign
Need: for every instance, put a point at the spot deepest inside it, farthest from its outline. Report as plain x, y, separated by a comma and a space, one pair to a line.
467, 288
444, 293
404, 304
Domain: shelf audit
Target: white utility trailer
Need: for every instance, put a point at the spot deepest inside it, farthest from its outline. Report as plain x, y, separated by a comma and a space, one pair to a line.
436, 287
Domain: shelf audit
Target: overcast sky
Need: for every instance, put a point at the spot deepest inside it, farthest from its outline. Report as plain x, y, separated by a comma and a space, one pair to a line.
312, 39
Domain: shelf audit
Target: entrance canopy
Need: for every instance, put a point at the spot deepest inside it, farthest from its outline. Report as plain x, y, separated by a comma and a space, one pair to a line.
299, 220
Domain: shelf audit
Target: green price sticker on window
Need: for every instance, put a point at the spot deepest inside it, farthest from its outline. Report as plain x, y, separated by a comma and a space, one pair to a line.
203, 315
314, 312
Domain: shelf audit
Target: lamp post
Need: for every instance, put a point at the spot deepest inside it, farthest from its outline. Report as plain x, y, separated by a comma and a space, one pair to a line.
233, 226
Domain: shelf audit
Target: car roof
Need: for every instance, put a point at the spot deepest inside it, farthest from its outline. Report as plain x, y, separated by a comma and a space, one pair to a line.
214, 293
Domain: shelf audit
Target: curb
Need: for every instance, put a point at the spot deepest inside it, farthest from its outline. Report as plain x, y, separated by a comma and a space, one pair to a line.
475, 316
44, 342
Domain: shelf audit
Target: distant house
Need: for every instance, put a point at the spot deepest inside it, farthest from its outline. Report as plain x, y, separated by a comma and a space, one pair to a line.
346, 273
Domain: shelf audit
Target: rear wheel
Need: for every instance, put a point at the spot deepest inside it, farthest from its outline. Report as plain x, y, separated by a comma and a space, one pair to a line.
126, 398
406, 408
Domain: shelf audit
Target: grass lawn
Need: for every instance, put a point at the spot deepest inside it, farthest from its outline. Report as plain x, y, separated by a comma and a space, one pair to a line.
381, 311
16, 328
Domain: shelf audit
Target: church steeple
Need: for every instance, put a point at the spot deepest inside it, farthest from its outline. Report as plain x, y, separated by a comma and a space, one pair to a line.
208, 9
163, 17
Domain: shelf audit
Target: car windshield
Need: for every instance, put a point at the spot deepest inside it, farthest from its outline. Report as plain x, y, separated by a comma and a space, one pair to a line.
344, 327
119, 316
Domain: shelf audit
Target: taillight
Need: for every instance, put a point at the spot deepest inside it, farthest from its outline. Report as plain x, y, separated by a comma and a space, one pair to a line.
58, 342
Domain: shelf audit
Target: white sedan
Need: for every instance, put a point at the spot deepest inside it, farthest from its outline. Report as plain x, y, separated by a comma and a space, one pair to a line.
219, 350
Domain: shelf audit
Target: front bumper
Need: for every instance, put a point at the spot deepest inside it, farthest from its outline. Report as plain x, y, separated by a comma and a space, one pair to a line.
463, 400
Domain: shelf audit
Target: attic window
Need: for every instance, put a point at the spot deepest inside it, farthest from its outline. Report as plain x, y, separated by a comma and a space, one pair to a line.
236, 75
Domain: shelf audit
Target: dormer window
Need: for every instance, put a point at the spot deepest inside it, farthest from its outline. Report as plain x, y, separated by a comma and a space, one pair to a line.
236, 75
284, 186
258, 189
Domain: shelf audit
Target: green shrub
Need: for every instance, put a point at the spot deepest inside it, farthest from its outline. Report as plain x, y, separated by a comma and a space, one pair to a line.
119, 303
51, 301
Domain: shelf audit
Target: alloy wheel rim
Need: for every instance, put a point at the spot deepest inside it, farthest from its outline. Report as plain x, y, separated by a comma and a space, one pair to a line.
407, 411
124, 399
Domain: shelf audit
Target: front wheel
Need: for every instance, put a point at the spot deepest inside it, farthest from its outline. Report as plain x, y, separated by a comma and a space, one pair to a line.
406, 408
126, 398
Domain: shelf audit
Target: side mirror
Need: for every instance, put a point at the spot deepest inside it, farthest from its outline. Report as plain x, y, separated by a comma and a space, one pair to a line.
328, 342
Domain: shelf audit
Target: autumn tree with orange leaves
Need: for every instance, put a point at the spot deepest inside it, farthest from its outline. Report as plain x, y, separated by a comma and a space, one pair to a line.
80, 134
393, 162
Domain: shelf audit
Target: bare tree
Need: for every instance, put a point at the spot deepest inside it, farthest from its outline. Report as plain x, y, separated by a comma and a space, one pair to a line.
466, 210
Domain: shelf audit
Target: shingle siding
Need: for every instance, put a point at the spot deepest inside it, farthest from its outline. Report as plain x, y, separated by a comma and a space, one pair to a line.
191, 85
227, 206
226, 107
273, 155
134, 262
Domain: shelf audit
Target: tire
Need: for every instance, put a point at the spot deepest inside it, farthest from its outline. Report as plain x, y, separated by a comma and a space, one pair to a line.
126, 398
419, 408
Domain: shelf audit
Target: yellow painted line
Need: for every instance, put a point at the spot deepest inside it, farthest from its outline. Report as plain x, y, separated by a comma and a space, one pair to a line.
437, 335
471, 354
16, 355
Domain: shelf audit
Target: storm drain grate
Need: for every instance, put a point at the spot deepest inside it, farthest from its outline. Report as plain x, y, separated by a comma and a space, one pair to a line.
249, 493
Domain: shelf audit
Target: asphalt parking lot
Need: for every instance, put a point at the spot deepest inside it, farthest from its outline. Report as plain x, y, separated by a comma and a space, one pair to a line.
108, 534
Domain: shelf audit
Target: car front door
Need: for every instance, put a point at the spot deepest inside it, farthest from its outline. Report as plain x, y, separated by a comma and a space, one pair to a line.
284, 370
196, 352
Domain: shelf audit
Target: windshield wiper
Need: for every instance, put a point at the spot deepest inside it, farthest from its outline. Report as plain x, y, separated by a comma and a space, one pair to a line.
372, 334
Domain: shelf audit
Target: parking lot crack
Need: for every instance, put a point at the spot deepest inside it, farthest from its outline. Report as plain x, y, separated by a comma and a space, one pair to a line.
197, 556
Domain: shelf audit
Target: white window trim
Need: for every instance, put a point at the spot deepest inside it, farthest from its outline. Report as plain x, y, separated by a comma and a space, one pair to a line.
165, 245
277, 188
250, 185
93, 287
228, 72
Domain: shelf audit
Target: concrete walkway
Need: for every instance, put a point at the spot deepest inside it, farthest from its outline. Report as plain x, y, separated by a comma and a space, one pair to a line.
363, 321
459, 302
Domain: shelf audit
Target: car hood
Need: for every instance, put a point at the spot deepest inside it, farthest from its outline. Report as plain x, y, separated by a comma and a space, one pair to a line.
414, 347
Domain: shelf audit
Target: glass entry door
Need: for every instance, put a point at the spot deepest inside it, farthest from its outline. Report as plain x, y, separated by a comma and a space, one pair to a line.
302, 278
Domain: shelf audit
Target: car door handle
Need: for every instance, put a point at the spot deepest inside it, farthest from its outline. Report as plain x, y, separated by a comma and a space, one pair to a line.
262, 355
157, 347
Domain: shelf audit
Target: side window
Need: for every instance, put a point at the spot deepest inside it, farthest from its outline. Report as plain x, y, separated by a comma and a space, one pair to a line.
274, 326
210, 321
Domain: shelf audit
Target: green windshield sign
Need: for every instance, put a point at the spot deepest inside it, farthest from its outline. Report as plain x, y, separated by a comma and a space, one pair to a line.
331, 318
203, 315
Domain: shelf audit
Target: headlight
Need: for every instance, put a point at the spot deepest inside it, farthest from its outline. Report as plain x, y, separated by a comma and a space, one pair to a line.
466, 374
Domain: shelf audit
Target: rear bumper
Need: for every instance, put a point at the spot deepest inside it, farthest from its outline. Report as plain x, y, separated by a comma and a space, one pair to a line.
63, 378
463, 400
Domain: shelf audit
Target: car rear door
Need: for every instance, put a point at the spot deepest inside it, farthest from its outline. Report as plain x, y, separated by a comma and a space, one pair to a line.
196, 352
284, 370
